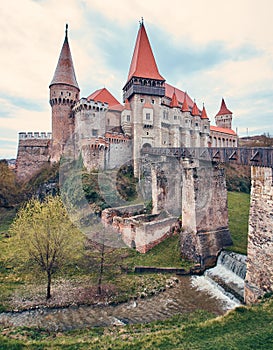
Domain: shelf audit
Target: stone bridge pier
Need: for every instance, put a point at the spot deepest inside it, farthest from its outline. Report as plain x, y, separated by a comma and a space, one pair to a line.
259, 277
196, 191
204, 212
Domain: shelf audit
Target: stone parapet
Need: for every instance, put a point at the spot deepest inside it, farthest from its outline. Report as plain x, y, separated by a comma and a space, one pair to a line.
84, 104
35, 135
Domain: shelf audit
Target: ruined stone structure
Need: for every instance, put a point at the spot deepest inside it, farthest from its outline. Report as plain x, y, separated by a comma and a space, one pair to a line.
259, 277
154, 114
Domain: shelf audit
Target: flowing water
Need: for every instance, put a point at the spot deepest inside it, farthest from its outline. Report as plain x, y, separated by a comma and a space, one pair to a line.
226, 277
189, 294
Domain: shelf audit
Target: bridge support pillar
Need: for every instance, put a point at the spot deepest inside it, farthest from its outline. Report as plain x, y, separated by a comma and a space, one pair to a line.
259, 277
204, 213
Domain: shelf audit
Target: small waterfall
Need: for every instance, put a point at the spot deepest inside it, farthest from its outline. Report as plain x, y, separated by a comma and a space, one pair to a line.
226, 278
233, 262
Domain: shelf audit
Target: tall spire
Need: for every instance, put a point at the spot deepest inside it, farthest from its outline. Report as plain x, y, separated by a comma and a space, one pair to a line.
195, 110
223, 109
64, 73
204, 113
185, 107
174, 101
143, 64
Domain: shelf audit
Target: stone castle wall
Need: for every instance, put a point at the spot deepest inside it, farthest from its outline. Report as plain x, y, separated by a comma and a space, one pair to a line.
259, 277
33, 154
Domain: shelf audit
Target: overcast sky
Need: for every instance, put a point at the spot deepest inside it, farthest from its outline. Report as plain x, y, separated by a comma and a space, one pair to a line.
210, 48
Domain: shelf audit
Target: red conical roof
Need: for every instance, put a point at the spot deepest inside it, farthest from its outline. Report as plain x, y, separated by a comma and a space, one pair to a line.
104, 95
223, 109
143, 63
195, 110
185, 107
64, 73
204, 113
174, 101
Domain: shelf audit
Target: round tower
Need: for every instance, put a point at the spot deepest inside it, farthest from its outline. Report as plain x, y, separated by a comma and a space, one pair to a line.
64, 93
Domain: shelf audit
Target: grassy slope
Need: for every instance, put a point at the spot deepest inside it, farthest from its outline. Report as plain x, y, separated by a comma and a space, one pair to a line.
165, 254
238, 212
242, 329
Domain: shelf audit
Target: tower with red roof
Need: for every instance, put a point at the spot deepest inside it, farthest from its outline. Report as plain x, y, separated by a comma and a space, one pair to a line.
223, 118
64, 92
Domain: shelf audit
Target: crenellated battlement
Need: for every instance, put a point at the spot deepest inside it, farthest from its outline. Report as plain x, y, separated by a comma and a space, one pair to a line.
84, 104
35, 135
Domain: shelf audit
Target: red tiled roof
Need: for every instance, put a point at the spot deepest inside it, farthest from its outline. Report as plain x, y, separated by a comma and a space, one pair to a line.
223, 109
204, 113
103, 95
169, 90
143, 64
64, 73
195, 111
174, 102
223, 130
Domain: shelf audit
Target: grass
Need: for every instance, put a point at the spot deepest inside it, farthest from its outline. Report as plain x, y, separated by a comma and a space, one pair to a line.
244, 328
6, 217
165, 254
238, 213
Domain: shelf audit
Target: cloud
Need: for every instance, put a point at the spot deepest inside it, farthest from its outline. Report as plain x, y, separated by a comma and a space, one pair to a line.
209, 48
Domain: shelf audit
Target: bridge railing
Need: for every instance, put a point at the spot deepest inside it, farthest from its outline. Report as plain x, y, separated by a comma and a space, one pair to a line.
253, 156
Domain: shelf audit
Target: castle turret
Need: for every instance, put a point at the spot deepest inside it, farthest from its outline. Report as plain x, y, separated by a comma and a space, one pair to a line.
64, 92
223, 118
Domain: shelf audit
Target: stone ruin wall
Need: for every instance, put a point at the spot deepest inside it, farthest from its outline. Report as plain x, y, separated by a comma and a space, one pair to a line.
259, 277
136, 231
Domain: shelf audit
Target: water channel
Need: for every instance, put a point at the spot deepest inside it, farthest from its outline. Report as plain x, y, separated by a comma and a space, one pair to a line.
189, 294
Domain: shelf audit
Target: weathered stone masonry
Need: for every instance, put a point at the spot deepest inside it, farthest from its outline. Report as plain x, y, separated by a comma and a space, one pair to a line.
259, 277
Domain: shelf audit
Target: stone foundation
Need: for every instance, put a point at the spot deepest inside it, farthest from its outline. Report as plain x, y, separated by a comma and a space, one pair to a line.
259, 277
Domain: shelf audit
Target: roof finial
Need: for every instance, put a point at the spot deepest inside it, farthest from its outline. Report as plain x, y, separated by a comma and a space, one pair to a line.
141, 22
66, 29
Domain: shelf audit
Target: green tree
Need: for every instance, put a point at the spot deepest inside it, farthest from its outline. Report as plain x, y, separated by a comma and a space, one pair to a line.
44, 236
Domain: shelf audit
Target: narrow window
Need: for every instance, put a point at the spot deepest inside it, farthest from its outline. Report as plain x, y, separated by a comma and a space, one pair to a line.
148, 116
94, 132
128, 118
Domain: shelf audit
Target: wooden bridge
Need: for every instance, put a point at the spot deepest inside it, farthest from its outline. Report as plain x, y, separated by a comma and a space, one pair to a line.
254, 156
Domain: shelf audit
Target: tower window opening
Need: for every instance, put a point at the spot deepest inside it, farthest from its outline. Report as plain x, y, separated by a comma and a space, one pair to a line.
142, 100
128, 118
61, 93
148, 116
94, 132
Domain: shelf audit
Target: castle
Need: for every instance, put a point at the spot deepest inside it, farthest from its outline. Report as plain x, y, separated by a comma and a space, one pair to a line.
108, 133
